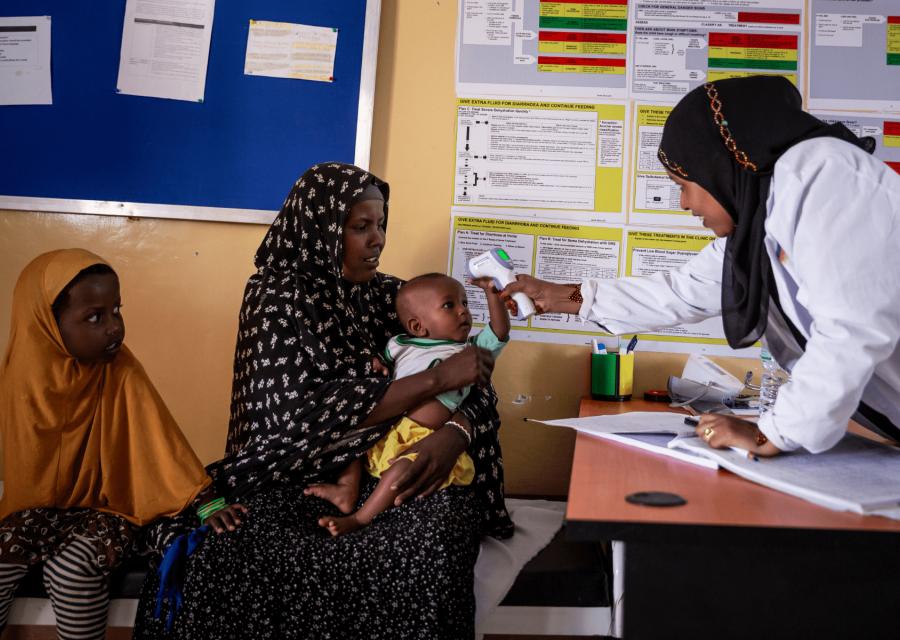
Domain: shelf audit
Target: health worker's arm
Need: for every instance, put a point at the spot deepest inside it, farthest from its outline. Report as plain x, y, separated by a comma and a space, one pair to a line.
642, 304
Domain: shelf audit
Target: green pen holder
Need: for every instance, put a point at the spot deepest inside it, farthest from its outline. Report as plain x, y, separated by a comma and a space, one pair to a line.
612, 376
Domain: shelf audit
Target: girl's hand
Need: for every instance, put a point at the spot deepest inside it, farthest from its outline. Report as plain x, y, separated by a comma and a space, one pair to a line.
228, 518
379, 368
437, 455
721, 432
547, 296
472, 365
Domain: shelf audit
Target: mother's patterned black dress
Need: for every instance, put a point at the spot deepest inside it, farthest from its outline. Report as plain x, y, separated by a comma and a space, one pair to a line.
302, 386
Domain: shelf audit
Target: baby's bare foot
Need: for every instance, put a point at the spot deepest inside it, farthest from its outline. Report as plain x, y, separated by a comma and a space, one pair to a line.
338, 525
342, 496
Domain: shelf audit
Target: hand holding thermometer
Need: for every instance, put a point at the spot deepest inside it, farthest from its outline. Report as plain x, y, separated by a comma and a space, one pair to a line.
496, 264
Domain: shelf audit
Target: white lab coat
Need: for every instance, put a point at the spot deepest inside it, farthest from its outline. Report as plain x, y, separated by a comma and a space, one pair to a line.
834, 212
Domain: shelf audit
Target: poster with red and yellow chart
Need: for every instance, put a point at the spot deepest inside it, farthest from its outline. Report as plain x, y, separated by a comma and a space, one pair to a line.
542, 48
679, 46
891, 134
578, 43
584, 14
767, 52
893, 40
884, 130
891, 143
590, 33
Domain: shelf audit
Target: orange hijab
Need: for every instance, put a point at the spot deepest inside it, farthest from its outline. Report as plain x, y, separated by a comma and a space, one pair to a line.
76, 435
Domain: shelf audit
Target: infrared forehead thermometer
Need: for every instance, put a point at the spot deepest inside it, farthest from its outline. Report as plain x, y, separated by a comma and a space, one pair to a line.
497, 264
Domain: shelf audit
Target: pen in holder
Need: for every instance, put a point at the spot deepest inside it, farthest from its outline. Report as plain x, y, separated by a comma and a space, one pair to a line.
612, 376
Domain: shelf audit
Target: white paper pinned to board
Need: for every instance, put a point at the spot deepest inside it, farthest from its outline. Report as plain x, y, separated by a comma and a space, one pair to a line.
287, 50
165, 49
25, 60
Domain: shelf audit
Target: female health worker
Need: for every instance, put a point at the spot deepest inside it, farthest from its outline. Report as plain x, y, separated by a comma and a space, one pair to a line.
807, 258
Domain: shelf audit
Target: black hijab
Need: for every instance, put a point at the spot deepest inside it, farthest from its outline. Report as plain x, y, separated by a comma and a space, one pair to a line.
726, 136
303, 382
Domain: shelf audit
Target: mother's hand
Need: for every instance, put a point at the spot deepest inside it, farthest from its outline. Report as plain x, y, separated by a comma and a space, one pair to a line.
437, 453
472, 365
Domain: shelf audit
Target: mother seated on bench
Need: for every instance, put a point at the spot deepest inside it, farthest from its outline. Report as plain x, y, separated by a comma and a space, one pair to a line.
305, 403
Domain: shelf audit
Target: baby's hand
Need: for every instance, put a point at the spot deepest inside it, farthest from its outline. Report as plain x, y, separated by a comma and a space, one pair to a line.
486, 284
379, 368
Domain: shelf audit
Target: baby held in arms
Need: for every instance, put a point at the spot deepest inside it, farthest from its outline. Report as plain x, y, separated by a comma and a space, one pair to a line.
434, 311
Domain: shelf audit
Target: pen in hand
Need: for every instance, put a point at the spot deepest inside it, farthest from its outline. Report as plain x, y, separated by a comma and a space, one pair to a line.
749, 454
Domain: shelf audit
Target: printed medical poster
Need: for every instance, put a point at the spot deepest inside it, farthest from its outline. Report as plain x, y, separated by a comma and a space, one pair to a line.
285, 50
541, 155
545, 249
654, 250
676, 46
885, 130
165, 49
25, 60
854, 60
655, 198
538, 48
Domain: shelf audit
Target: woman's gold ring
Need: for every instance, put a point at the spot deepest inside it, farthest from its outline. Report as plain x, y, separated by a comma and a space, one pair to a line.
708, 433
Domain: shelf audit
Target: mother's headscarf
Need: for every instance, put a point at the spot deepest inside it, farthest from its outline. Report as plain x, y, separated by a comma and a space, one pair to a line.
303, 382
727, 136
79, 435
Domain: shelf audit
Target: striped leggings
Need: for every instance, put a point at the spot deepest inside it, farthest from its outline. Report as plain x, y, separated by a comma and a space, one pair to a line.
78, 590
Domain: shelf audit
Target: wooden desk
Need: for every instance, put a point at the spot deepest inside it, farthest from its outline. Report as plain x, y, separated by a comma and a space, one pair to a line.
738, 560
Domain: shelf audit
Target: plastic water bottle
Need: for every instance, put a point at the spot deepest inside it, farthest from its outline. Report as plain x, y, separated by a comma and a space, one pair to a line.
772, 378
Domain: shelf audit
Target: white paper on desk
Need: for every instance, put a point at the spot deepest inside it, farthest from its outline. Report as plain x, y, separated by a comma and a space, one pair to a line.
659, 443
893, 514
647, 430
165, 48
631, 422
25, 60
858, 474
286, 50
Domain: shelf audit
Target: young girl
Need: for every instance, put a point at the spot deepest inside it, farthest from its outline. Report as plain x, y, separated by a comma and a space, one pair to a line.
90, 451
434, 311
